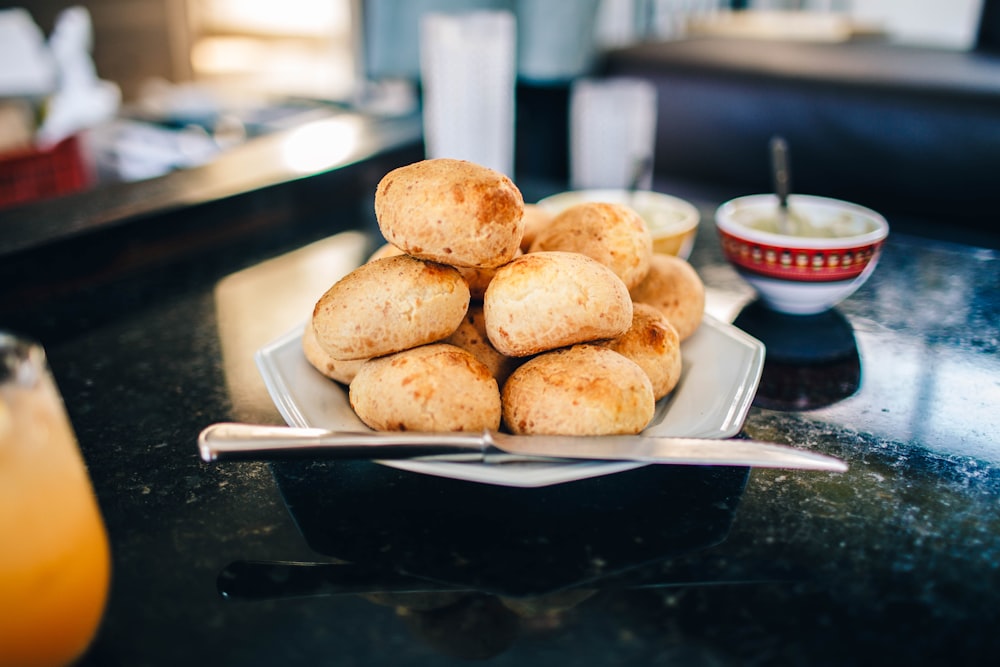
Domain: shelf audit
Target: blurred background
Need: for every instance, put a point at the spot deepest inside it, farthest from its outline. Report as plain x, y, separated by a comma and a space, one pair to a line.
174, 82
311, 47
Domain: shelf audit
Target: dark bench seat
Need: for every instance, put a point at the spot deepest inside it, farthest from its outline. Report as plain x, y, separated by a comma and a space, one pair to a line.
908, 131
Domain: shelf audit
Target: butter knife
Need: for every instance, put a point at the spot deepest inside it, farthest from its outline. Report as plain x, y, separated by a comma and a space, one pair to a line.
236, 441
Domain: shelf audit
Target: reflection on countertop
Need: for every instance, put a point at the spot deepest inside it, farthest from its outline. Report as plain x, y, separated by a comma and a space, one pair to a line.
812, 360
509, 541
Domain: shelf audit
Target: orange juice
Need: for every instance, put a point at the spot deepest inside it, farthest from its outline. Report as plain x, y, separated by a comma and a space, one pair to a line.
54, 558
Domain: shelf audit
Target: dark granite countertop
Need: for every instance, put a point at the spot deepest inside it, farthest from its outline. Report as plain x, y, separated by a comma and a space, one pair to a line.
896, 560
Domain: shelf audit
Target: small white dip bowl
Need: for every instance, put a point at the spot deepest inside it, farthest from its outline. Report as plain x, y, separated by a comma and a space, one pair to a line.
831, 249
671, 220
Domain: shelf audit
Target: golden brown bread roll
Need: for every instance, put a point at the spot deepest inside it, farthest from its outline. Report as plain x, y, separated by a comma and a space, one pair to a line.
341, 370
477, 278
578, 390
389, 305
536, 219
471, 335
544, 300
451, 211
437, 387
652, 343
613, 234
674, 288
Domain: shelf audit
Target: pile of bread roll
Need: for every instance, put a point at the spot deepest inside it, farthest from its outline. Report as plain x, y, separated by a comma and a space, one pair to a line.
483, 312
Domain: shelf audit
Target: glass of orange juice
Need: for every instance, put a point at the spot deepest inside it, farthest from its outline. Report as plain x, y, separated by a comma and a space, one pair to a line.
54, 556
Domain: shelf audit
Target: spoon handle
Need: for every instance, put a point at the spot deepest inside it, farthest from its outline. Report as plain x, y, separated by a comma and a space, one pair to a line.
779, 168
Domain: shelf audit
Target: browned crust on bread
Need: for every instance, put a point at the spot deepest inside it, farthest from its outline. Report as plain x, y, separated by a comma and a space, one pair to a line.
478, 279
613, 234
544, 300
675, 289
389, 305
471, 335
653, 344
451, 211
580, 390
435, 388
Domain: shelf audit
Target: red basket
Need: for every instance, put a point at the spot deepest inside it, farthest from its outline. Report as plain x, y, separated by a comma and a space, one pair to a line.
33, 174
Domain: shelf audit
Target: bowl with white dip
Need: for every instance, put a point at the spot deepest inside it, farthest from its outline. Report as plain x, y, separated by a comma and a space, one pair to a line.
672, 221
804, 260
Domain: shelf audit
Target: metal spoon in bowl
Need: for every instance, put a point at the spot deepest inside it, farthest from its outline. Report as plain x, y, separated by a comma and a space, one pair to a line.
782, 181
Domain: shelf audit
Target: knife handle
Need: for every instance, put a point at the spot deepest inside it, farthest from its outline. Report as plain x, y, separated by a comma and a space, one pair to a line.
256, 442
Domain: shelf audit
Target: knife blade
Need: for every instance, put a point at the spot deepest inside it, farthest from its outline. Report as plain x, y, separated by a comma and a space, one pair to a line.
236, 441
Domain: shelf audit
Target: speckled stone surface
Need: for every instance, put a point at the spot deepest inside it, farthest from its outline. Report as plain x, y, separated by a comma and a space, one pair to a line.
896, 560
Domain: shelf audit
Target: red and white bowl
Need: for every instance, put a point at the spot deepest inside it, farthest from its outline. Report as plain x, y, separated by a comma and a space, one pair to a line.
831, 253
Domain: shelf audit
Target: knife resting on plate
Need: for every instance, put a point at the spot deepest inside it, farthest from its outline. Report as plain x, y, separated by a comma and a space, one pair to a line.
235, 441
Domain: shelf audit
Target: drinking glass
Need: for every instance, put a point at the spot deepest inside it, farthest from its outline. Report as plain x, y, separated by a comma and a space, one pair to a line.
54, 562
612, 133
468, 71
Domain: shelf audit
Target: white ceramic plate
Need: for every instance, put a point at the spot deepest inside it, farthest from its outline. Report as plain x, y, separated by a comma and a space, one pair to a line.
721, 369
